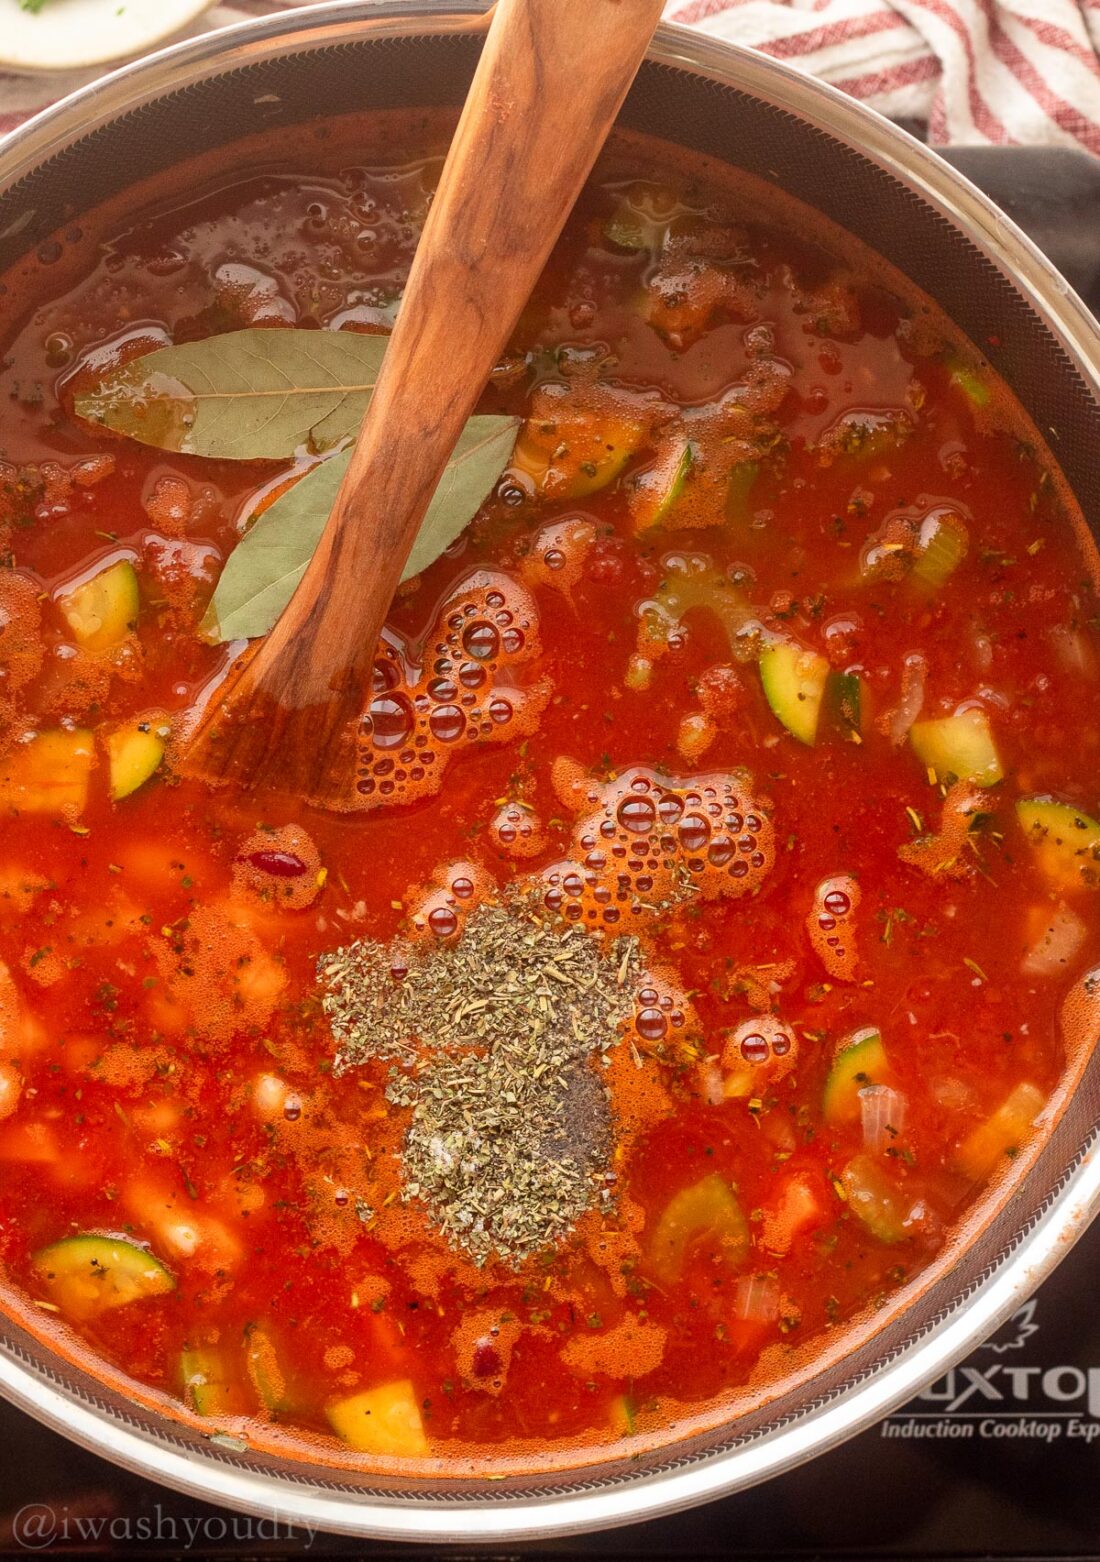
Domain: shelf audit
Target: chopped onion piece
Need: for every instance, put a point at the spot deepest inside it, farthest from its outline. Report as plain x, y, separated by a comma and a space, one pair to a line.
954, 1095
1073, 650
1062, 935
883, 1112
901, 718
983, 650
269, 1096
756, 1299
711, 1082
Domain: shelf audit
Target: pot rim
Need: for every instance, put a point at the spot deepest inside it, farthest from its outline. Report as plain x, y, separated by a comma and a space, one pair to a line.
1065, 1214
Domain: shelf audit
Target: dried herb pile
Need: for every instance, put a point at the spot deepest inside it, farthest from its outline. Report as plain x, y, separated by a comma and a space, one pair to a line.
509, 1134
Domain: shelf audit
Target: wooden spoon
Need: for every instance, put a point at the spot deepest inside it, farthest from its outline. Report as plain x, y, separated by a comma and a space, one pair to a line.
551, 78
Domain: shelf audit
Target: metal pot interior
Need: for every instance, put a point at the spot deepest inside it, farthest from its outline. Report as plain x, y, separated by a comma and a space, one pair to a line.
887, 192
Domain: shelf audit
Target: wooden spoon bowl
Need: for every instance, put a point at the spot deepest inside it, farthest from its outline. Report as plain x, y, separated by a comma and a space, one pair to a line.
551, 79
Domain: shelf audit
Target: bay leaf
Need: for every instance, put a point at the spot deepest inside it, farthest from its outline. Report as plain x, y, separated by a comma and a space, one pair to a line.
243, 396
262, 571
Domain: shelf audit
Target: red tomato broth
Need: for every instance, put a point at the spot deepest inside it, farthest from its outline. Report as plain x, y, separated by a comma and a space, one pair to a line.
137, 1101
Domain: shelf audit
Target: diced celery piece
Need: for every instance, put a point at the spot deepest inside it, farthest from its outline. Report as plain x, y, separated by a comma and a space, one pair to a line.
941, 548
49, 774
860, 1060
705, 1211
794, 684
88, 1275
1065, 841
1002, 1134
383, 1420
102, 611
958, 747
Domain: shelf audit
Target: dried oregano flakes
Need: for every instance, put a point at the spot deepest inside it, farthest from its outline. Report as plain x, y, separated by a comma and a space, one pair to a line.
495, 1040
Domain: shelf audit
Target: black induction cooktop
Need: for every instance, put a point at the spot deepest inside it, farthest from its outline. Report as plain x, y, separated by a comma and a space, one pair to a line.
1000, 1458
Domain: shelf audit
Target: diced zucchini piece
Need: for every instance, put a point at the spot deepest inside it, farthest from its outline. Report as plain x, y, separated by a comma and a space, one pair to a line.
102, 611
262, 1361
958, 747
842, 706
794, 684
860, 1060
622, 1417
1066, 842
972, 384
571, 451
657, 490
706, 1211
740, 486
382, 1420
88, 1275
627, 229
857, 439
941, 548
641, 219
208, 1384
874, 1200
48, 774
1002, 1134
134, 752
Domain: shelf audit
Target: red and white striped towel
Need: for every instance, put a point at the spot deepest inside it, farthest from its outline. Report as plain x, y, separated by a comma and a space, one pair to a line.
1016, 71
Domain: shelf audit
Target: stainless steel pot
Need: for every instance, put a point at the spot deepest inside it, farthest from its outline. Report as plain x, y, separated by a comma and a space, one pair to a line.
905, 202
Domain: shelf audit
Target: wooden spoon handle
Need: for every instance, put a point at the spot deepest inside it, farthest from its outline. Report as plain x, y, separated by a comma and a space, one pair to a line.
552, 76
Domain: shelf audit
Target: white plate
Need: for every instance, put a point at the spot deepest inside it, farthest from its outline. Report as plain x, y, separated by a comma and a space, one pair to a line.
71, 34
